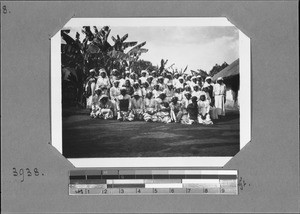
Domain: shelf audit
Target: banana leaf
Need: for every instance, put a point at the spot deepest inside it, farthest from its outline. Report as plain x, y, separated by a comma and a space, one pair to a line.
136, 48
128, 44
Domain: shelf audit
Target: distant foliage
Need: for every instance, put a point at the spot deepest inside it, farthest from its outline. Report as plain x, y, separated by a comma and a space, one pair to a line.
217, 68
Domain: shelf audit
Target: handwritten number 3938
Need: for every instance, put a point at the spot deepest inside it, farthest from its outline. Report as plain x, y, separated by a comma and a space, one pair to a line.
25, 172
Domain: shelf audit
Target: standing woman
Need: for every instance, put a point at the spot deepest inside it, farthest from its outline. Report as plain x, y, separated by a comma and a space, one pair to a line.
95, 104
220, 96
129, 88
114, 93
169, 91
185, 102
160, 83
145, 89
212, 110
90, 87
137, 89
179, 94
156, 92
103, 81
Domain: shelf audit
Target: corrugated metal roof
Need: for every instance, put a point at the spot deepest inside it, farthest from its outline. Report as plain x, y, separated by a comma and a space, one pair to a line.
231, 70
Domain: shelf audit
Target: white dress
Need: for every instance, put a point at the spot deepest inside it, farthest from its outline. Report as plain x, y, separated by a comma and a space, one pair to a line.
219, 94
204, 107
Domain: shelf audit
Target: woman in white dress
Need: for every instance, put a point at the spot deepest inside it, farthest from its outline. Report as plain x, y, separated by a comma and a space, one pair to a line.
220, 96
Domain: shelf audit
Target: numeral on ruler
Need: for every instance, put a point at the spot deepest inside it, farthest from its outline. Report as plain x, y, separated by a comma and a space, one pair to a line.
194, 182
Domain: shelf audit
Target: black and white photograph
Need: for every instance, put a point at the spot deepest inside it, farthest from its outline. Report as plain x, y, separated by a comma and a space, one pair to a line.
149, 88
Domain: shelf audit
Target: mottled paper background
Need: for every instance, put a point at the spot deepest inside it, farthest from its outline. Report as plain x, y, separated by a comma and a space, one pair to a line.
270, 163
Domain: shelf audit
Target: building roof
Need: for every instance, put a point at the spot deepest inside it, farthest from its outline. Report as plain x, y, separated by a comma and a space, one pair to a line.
231, 70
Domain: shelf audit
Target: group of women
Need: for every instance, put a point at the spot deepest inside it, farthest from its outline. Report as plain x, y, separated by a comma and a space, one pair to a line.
180, 98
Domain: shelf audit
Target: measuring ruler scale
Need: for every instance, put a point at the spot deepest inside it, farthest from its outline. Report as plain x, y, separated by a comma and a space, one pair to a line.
135, 182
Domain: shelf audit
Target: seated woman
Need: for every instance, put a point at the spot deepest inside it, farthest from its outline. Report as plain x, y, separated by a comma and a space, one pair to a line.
150, 108
203, 107
124, 106
137, 106
163, 113
192, 110
95, 104
176, 110
106, 108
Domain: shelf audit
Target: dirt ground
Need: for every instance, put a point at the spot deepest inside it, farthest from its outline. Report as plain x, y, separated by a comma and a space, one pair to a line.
84, 137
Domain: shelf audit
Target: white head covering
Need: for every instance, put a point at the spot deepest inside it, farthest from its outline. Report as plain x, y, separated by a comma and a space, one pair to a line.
102, 70
220, 78
207, 78
136, 93
92, 70
103, 96
187, 92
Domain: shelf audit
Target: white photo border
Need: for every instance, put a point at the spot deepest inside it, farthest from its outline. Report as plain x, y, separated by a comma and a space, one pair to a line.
56, 96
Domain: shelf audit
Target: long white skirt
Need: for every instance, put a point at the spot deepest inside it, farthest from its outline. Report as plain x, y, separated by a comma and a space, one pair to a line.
89, 101
220, 105
213, 113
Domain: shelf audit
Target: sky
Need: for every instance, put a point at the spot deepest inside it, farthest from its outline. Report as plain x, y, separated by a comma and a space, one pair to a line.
197, 47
